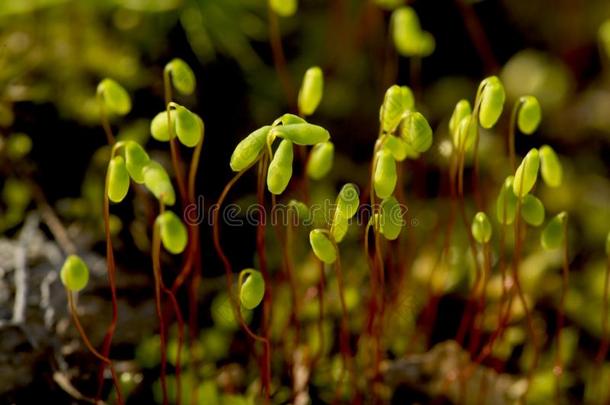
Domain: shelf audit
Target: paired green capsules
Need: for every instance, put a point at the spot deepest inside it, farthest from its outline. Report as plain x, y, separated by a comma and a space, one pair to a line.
481, 228
416, 131
173, 232
252, 291
302, 133
158, 126
157, 181
189, 127
74, 273
136, 159
249, 149
396, 102
280, 168
462, 110
181, 75
311, 91
114, 96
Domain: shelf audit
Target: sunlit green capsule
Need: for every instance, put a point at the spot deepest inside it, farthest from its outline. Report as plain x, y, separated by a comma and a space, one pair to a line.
529, 115
492, 101
74, 273
532, 210
249, 149
252, 291
408, 37
299, 209
550, 167
280, 168
157, 181
18, 145
302, 134
391, 220
173, 232
348, 200
322, 247
16, 193
527, 173
290, 119
553, 233
136, 159
158, 126
462, 109
396, 146
466, 134
396, 102
506, 204
416, 131
481, 228
284, 8
320, 160
118, 179
182, 76
188, 127
339, 226
384, 179
311, 90
115, 97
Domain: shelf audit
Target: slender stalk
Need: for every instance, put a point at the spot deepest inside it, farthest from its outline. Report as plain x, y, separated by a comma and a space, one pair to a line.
175, 153
558, 368
104, 118
321, 284
104, 359
511, 135
279, 60
480, 310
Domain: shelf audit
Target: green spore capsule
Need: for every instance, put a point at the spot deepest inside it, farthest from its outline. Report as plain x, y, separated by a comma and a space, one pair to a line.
527, 173
311, 90
397, 147
481, 228
348, 200
252, 291
532, 210
416, 131
553, 233
396, 102
550, 167
157, 181
18, 146
182, 76
529, 115
339, 227
248, 150
115, 97
506, 204
462, 109
189, 127
408, 37
320, 160
492, 101
302, 134
298, 209
173, 232
16, 193
284, 8
384, 179
136, 159
74, 273
466, 134
158, 126
322, 247
391, 221
289, 119
118, 179
280, 168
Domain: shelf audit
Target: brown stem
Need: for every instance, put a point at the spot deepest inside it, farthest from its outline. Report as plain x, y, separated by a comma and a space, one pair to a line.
175, 153
565, 270
279, 60
105, 122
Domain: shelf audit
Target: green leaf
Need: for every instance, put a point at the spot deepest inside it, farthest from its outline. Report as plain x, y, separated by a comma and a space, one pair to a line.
532, 210
280, 168
550, 167
157, 181
529, 115
320, 160
249, 149
115, 97
136, 159
391, 220
74, 273
182, 76
173, 232
481, 228
302, 134
553, 233
492, 101
322, 247
158, 126
416, 131
396, 102
252, 291
311, 90
385, 177
527, 173
506, 204
118, 179
189, 127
